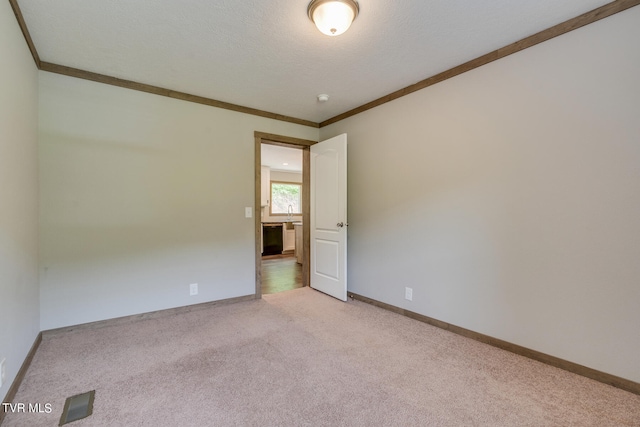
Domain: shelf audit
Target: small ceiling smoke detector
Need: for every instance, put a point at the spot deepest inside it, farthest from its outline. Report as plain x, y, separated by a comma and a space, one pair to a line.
323, 97
333, 17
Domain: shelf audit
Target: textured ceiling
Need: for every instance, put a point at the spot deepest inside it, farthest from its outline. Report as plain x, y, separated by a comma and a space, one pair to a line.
268, 55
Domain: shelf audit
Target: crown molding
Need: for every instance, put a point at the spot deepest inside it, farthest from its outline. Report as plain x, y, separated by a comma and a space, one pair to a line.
542, 36
25, 31
142, 87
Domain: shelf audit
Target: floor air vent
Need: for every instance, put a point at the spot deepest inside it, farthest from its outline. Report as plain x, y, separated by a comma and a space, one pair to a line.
77, 407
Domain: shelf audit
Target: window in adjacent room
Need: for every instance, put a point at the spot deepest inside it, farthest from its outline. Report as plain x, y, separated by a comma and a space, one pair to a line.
286, 198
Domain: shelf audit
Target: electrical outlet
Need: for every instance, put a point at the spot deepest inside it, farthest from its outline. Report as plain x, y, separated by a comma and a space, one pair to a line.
3, 373
408, 294
193, 289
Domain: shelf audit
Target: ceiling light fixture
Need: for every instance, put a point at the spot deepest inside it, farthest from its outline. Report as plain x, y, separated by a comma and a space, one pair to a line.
333, 17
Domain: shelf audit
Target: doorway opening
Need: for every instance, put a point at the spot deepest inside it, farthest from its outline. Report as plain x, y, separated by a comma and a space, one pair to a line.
282, 222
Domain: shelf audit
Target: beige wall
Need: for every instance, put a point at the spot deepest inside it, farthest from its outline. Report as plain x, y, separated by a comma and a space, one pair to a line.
508, 198
141, 196
19, 311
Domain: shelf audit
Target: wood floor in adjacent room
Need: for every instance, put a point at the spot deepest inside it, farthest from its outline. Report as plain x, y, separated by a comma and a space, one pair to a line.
280, 273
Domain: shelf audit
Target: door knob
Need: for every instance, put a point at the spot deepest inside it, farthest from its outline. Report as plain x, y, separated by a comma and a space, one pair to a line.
340, 224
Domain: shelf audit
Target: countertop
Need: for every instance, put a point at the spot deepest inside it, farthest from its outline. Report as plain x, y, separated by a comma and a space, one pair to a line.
295, 221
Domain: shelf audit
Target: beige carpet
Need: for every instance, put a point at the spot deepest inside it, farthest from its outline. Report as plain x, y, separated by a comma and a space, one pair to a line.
301, 358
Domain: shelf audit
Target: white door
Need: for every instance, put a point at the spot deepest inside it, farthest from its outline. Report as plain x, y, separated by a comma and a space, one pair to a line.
329, 216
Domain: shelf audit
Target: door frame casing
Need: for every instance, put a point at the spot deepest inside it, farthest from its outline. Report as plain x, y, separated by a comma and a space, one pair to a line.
285, 141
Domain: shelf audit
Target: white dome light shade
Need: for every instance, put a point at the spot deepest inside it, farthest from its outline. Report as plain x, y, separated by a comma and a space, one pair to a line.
333, 17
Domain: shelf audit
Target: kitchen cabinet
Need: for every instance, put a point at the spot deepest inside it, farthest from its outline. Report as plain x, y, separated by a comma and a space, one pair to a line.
289, 237
265, 188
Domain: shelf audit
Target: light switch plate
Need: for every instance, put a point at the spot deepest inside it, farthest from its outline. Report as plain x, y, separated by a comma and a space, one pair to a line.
248, 212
